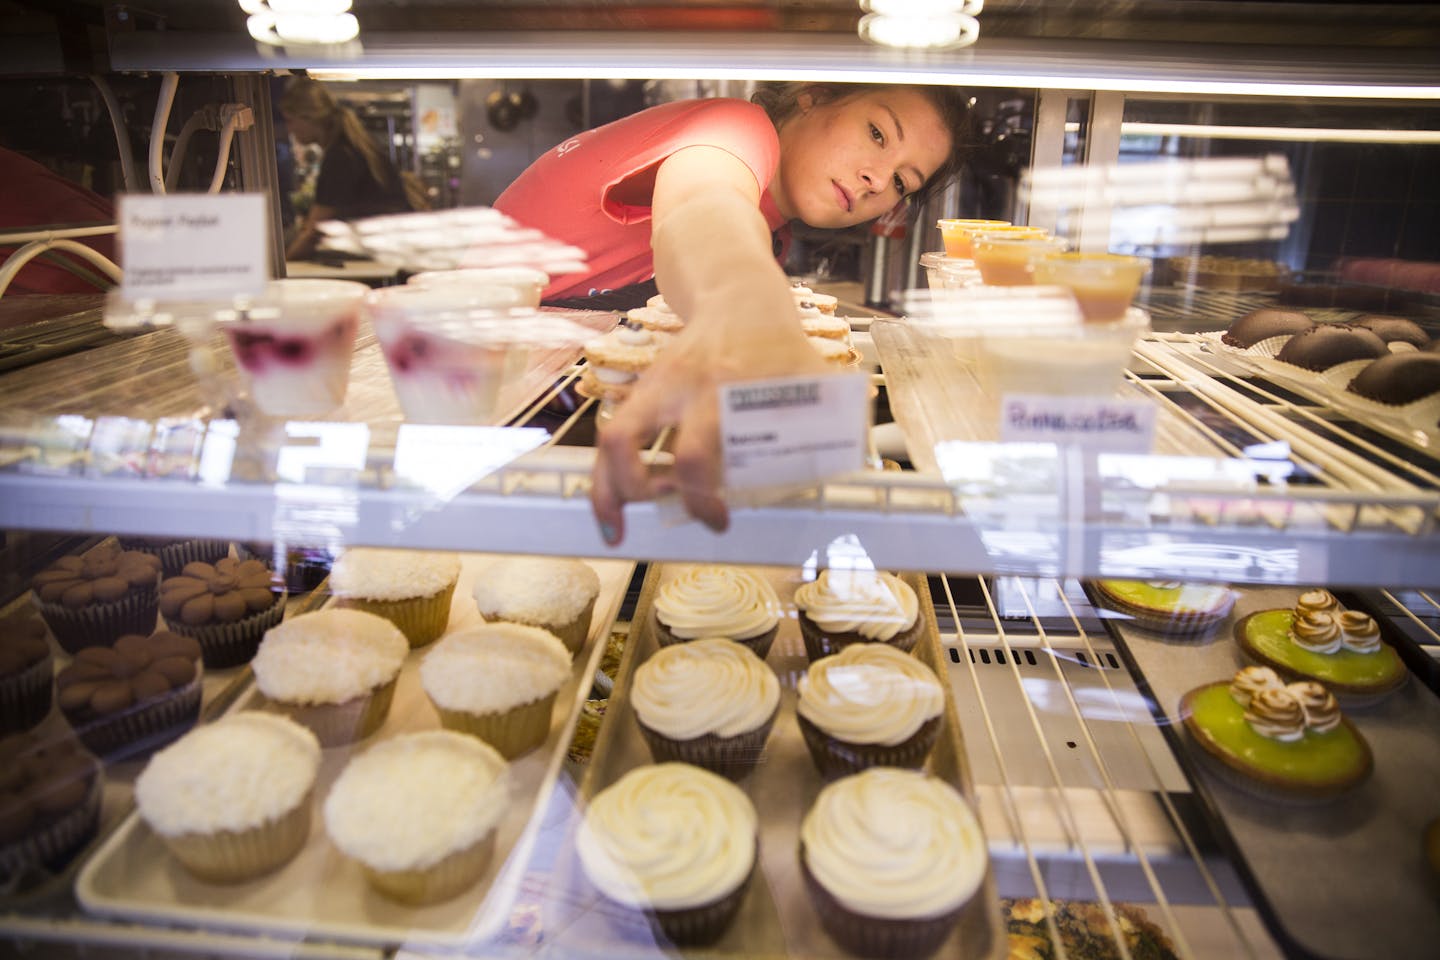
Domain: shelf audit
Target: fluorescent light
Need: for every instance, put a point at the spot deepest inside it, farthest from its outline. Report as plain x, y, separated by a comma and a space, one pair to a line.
1304, 134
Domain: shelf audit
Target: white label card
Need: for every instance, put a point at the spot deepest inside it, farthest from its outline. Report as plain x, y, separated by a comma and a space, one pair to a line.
184, 246
793, 430
1096, 423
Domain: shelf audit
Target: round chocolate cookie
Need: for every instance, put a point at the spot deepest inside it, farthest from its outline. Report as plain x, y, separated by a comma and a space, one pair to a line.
226, 606
1399, 378
25, 671
95, 599
49, 805
1327, 345
1393, 329
140, 693
1263, 324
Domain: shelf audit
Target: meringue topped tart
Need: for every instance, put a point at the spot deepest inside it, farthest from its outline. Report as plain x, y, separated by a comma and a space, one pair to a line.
1317, 640
1277, 739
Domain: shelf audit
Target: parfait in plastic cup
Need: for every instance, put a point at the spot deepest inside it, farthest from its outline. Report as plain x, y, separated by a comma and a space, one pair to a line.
1008, 259
1104, 284
957, 234
489, 286
294, 343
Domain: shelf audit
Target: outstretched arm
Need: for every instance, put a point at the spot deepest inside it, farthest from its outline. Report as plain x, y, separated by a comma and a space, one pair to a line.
714, 264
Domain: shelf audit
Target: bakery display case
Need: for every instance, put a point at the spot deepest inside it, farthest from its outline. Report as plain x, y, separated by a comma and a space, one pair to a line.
1071, 600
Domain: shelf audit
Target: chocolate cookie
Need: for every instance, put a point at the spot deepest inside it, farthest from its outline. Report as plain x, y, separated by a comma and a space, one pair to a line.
95, 599
226, 606
1328, 345
142, 692
1399, 378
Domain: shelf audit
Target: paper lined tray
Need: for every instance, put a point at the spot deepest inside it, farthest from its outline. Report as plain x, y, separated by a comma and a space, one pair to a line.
322, 894
1344, 878
776, 918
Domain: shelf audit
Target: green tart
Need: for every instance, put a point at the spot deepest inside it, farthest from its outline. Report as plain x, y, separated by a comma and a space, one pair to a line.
1318, 766
1355, 678
1169, 607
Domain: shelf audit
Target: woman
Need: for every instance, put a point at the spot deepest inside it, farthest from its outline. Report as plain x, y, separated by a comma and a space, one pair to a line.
691, 194
356, 177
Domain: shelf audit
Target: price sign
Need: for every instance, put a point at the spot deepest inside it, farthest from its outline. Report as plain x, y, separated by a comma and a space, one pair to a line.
794, 430
193, 246
1095, 423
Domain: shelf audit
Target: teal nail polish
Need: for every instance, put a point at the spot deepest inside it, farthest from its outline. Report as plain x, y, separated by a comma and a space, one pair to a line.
607, 531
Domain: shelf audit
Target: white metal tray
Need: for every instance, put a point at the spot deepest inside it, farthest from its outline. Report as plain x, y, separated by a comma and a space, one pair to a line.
322, 894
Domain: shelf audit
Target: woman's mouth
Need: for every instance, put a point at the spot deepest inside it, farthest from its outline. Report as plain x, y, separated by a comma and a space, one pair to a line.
847, 203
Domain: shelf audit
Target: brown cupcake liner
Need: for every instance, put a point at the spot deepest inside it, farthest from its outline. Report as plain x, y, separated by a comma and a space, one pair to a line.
511, 732
232, 644
450, 877
144, 726
731, 757
869, 936
820, 644
25, 697
234, 856
101, 624
173, 556
838, 758
45, 851
421, 619
704, 924
339, 724
759, 644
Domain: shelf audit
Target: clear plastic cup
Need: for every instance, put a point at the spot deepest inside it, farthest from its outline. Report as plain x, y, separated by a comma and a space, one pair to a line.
294, 343
449, 360
1104, 284
1008, 259
490, 286
957, 233
942, 272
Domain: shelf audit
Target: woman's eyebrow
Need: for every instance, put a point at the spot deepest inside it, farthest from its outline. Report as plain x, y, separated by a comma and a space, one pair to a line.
895, 118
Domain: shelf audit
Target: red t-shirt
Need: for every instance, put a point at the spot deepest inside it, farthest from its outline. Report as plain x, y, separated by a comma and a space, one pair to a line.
32, 196
594, 189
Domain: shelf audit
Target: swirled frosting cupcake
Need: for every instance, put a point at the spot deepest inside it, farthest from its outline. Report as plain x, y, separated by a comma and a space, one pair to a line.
418, 812
674, 841
333, 670
841, 607
410, 588
890, 858
869, 705
498, 682
714, 601
710, 702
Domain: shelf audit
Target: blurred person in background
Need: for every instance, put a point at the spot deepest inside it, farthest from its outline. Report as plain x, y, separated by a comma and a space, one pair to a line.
692, 198
356, 176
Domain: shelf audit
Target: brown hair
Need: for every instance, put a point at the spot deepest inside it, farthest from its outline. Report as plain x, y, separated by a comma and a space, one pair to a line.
781, 101
309, 100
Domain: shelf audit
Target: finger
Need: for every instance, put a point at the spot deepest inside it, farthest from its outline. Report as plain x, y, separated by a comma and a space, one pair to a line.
698, 471
618, 476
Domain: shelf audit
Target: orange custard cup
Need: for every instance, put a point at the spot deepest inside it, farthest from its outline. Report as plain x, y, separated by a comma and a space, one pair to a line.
1104, 284
957, 234
1008, 260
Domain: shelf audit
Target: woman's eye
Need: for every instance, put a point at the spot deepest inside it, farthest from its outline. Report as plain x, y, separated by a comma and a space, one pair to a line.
899, 185
876, 135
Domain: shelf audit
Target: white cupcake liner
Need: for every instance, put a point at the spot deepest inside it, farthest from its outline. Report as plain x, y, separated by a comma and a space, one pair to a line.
234, 856
450, 877
511, 732
340, 724
421, 619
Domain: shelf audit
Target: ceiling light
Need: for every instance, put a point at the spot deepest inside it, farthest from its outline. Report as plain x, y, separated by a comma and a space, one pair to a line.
302, 23
921, 24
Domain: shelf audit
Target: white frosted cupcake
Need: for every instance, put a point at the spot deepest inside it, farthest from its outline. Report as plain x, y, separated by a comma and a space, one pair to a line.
332, 670
675, 842
231, 799
553, 594
710, 702
419, 812
497, 681
715, 601
890, 858
841, 607
410, 588
869, 705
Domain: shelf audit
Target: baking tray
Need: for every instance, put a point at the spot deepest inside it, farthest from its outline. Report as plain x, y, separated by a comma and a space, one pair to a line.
776, 918
322, 894
1346, 878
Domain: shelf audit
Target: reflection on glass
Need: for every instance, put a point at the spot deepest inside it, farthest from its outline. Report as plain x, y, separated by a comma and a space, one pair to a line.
843, 553
217, 454
447, 460
323, 453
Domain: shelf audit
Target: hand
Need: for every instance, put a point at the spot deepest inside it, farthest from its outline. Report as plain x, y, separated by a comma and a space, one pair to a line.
681, 390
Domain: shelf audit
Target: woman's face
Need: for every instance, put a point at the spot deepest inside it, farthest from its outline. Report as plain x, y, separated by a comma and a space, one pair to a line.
851, 159
303, 130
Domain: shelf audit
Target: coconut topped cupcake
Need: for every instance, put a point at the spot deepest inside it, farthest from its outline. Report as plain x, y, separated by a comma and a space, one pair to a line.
329, 656
894, 844
870, 693
494, 666
553, 593
668, 836
410, 801
376, 574
243, 770
711, 685
716, 601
